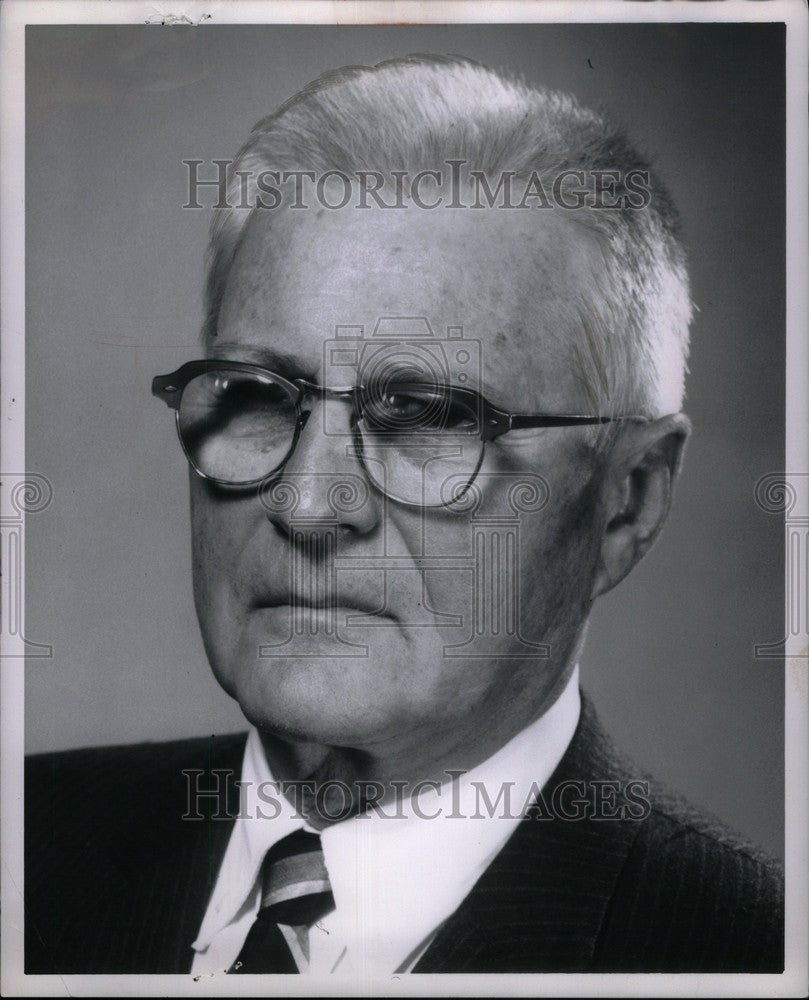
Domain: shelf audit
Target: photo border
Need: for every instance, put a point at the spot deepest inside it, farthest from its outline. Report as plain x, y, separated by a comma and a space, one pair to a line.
15, 15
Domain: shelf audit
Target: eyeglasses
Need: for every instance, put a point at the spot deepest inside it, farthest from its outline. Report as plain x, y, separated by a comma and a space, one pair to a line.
420, 443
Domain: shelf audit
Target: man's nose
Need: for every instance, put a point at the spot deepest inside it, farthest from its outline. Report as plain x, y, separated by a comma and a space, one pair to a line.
323, 482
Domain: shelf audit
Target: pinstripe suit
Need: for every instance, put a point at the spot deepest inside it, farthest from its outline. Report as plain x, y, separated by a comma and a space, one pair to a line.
117, 881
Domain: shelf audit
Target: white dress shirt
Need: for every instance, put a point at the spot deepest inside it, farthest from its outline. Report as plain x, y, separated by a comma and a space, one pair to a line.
396, 872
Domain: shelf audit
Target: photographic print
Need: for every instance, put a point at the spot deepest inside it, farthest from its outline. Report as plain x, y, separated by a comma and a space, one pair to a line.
404, 499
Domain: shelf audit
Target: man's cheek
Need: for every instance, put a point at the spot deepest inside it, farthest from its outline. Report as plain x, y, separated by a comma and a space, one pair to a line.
217, 525
214, 575
555, 561
204, 547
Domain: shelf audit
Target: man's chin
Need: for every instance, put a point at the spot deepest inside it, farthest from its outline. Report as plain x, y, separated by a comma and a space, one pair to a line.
318, 699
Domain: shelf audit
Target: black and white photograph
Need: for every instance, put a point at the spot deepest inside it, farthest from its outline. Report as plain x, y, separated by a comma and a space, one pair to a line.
405, 499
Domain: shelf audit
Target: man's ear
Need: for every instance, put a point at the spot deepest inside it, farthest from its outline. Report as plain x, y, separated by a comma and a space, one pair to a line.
638, 486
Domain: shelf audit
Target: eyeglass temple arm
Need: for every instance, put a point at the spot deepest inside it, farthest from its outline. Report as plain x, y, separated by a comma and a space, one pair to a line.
518, 421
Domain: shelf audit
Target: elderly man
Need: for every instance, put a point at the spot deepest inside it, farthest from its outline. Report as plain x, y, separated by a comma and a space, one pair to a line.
438, 415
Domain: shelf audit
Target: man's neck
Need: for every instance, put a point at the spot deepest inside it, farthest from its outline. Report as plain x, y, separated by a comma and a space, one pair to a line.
324, 782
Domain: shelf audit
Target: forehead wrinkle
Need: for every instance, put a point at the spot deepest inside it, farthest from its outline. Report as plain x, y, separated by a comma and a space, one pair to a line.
283, 362
512, 289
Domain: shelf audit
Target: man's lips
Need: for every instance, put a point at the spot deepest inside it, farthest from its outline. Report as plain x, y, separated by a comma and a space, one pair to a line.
335, 603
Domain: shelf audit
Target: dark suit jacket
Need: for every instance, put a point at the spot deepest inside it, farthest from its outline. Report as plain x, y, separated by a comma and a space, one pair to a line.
117, 881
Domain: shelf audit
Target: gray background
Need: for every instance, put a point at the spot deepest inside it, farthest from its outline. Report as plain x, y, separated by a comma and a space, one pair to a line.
114, 275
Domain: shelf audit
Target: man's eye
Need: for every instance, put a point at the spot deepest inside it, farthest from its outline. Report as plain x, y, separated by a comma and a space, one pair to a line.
402, 410
225, 393
401, 406
226, 405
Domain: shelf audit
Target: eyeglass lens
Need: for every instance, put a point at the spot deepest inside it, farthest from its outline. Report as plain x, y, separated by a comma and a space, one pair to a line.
419, 444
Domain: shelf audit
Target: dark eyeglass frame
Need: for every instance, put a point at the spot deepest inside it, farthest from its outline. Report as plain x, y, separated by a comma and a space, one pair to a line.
493, 422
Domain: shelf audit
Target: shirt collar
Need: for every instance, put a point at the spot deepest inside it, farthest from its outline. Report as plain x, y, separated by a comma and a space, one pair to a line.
398, 871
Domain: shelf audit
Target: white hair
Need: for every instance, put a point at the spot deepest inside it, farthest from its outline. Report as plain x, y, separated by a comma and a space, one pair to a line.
418, 112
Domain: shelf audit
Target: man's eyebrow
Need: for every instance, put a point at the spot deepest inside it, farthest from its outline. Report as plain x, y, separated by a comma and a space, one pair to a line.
289, 365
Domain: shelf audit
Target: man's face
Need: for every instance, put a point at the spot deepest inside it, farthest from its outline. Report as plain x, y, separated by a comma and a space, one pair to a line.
408, 583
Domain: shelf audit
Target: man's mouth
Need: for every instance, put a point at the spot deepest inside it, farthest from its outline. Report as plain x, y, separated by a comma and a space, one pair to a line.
323, 606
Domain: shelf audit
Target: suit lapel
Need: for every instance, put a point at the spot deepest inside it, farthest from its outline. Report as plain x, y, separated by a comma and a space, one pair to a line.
184, 869
540, 904
163, 868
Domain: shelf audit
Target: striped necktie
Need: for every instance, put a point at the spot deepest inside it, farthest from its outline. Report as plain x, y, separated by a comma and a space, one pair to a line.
295, 892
